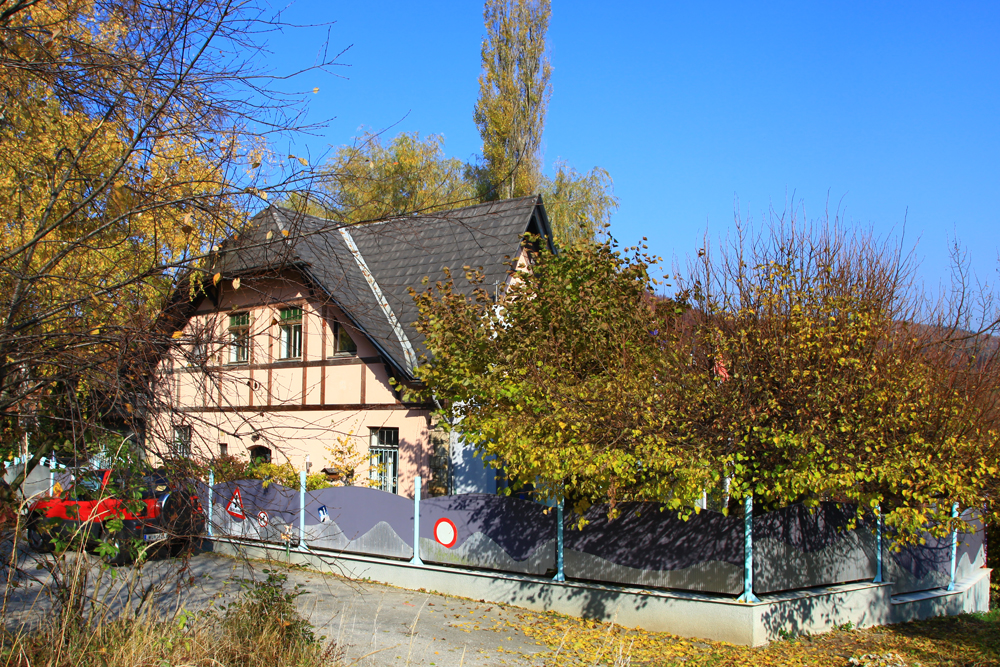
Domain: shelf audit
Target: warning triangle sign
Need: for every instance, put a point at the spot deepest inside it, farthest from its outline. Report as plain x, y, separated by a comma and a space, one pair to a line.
235, 506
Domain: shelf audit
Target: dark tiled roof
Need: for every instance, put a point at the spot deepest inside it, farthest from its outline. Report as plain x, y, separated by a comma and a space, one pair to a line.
398, 254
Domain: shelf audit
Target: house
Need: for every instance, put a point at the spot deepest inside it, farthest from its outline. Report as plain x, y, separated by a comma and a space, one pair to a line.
299, 340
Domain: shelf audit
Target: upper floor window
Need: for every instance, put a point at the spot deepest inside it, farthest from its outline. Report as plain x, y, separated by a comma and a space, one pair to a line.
290, 334
239, 338
199, 352
342, 341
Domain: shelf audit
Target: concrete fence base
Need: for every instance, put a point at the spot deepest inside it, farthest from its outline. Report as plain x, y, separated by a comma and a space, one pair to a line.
681, 613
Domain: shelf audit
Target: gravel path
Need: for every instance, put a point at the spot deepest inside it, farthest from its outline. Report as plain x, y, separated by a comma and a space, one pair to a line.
375, 624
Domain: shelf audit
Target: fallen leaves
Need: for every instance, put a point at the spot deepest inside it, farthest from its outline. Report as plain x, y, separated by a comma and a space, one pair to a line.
943, 642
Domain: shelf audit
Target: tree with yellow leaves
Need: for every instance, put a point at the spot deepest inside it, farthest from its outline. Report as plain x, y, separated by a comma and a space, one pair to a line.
514, 91
799, 364
133, 142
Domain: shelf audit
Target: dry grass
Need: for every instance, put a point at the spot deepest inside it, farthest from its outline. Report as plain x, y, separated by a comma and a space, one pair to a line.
260, 628
184, 640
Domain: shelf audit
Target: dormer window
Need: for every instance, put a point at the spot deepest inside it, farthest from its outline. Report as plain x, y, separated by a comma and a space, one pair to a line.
239, 338
290, 334
343, 344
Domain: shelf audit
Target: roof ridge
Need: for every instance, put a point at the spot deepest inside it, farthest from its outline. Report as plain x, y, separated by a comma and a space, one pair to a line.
502, 204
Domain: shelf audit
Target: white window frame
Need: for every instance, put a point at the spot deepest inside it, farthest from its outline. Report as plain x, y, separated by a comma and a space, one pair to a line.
290, 334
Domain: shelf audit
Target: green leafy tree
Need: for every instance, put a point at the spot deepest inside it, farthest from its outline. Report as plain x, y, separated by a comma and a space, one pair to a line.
578, 384
841, 381
514, 92
800, 374
374, 179
578, 205
371, 180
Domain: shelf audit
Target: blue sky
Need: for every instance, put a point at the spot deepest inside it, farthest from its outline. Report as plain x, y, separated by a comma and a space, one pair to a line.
886, 111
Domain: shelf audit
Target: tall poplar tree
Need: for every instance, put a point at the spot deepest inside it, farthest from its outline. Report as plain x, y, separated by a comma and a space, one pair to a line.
514, 91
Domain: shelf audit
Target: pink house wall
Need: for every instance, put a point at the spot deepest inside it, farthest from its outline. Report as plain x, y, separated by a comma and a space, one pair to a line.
297, 408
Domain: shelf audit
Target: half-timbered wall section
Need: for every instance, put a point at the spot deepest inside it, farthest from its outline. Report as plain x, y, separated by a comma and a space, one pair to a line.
336, 389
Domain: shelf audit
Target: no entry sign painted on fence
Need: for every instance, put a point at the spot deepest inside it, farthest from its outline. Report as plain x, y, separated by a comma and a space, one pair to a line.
445, 532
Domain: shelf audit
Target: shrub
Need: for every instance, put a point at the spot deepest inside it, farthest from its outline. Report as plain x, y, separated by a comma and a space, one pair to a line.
286, 475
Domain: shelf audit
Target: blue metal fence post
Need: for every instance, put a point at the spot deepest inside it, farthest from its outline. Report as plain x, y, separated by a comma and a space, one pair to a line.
954, 547
560, 563
302, 510
748, 595
211, 503
416, 522
878, 545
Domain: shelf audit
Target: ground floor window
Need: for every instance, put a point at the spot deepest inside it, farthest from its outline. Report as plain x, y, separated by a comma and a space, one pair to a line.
260, 454
180, 447
384, 458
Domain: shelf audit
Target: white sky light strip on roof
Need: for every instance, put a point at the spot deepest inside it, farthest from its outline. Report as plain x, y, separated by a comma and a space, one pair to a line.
411, 357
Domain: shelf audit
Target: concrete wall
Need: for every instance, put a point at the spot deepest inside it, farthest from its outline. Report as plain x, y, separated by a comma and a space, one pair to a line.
687, 614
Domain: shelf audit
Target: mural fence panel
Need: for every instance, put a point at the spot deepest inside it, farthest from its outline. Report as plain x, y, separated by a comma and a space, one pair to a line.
928, 566
359, 520
648, 547
800, 547
488, 531
250, 511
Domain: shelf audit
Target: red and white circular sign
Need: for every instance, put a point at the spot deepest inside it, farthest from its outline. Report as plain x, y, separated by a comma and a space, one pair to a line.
445, 533
262, 519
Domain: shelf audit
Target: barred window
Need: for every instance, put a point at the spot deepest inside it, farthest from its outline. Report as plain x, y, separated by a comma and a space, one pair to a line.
383, 461
180, 447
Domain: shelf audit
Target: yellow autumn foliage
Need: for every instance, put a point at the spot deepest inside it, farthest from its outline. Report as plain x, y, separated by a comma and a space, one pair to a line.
116, 175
